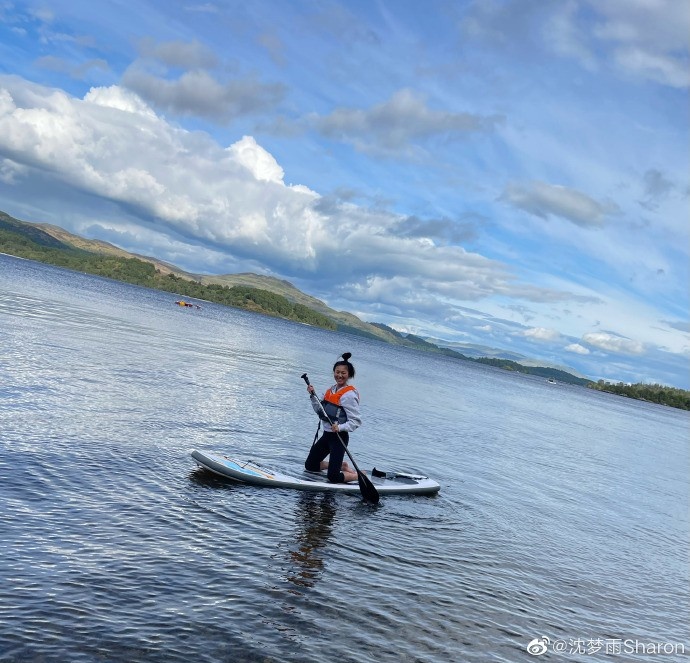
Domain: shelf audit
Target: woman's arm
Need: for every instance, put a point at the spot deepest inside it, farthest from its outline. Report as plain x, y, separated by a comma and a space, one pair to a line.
316, 404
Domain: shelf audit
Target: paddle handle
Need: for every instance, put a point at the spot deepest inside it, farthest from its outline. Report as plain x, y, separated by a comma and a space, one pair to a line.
328, 419
306, 379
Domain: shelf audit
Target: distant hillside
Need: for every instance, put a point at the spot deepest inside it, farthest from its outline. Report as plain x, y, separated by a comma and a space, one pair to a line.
474, 351
32, 241
271, 296
104, 248
264, 294
543, 371
347, 322
33, 232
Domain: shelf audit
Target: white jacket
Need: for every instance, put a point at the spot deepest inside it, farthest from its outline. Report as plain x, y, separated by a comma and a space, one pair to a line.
349, 401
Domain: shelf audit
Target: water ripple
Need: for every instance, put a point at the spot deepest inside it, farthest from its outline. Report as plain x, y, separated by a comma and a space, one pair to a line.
561, 513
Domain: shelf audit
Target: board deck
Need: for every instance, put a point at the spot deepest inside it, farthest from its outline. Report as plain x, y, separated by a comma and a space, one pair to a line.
253, 473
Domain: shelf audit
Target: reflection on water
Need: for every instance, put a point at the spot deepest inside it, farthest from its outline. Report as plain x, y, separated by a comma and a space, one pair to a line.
313, 527
115, 548
207, 479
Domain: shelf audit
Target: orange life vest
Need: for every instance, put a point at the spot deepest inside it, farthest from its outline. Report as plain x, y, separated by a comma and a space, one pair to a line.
331, 404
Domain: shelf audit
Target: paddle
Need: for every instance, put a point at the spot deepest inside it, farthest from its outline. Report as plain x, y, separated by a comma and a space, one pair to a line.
368, 490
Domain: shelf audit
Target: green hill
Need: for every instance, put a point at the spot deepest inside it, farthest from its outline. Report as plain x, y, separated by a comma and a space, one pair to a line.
255, 292
264, 294
59, 238
55, 246
346, 322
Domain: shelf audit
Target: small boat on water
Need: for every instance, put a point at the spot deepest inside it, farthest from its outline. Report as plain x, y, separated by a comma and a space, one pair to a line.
551, 381
183, 303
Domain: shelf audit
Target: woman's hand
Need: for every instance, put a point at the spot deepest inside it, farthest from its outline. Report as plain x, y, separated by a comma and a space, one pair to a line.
310, 389
334, 427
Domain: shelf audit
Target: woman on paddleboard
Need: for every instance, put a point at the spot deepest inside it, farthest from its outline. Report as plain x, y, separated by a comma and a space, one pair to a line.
341, 404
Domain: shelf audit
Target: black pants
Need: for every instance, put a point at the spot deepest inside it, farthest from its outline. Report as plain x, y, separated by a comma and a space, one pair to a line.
328, 445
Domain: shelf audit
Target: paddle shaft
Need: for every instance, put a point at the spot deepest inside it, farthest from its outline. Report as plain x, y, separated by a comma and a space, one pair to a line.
328, 419
369, 492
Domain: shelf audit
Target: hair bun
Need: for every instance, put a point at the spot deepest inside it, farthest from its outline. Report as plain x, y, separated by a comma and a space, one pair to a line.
347, 355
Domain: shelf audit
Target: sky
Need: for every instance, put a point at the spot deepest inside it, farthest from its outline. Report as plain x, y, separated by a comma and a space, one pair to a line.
506, 173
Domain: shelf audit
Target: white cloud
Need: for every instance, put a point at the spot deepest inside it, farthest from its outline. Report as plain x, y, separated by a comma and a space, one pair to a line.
393, 126
564, 36
192, 197
43, 14
544, 200
258, 161
120, 99
64, 66
681, 325
181, 54
641, 39
198, 93
577, 349
614, 343
649, 37
10, 171
654, 66
542, 334
112, 144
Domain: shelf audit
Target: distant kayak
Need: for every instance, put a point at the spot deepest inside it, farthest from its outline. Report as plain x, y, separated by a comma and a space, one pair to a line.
250, 472
183, 303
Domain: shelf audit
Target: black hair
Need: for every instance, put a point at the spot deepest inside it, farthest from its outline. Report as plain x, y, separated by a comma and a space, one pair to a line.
345, 361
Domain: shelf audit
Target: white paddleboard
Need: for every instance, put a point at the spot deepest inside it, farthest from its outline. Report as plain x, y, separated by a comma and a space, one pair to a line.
253, 473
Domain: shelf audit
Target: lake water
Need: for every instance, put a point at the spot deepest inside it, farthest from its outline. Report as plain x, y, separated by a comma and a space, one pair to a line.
563, 511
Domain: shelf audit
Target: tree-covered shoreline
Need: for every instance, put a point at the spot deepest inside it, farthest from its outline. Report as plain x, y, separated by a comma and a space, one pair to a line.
652, 393
34, 244
139, 272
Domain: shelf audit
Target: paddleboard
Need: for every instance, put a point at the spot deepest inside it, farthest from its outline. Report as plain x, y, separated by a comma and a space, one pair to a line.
250, 472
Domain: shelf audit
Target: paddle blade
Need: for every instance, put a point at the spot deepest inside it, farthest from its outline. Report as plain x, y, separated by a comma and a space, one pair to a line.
368, 490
